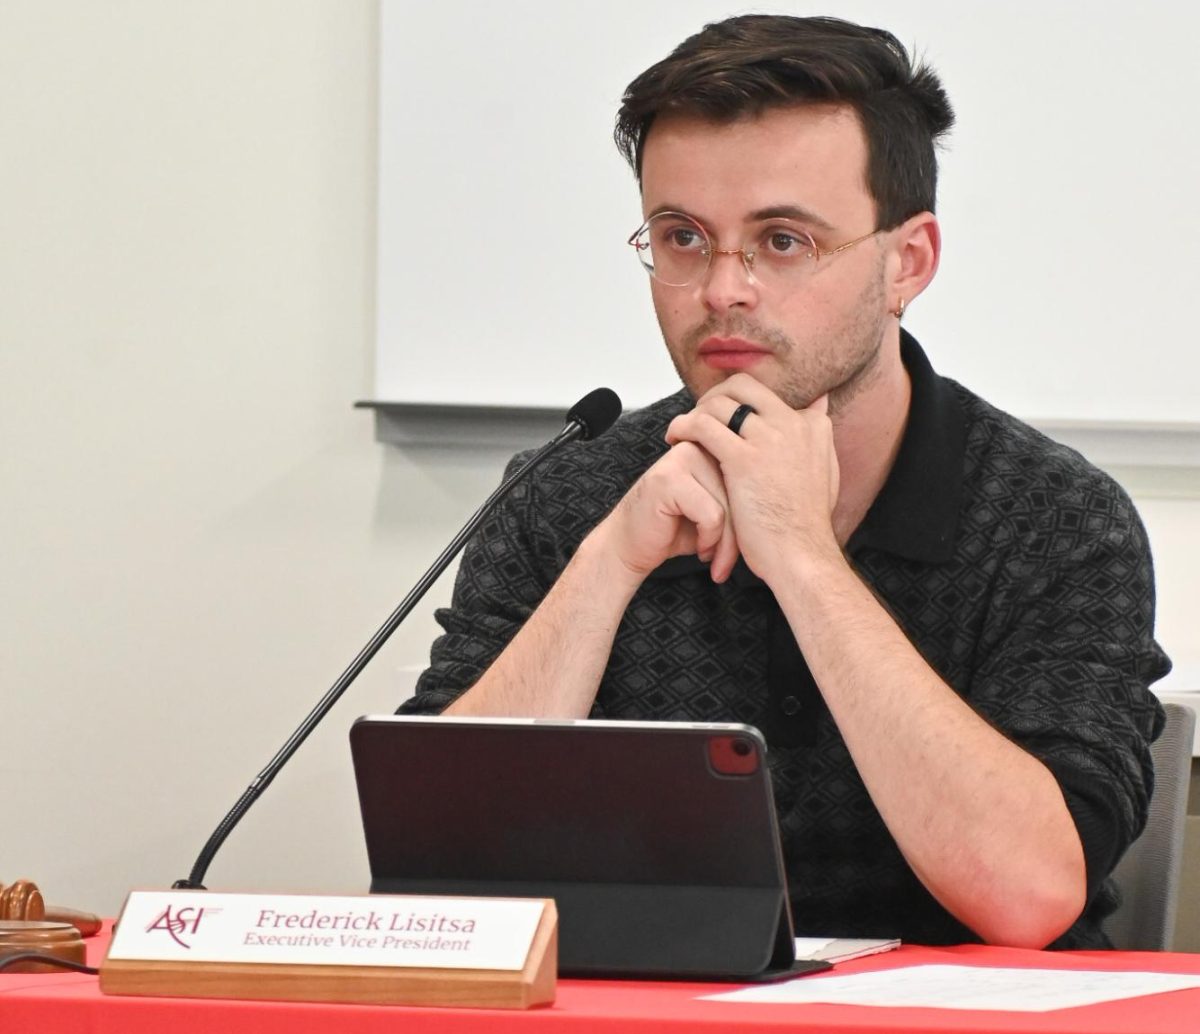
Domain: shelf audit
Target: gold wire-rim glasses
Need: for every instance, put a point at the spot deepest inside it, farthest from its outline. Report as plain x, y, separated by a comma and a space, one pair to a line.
813, 250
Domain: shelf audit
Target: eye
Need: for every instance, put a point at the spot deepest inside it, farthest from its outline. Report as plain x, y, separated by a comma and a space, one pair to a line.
785, 244
683, 238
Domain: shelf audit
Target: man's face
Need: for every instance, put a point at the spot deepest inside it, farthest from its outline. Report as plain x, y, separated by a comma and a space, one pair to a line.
816, 334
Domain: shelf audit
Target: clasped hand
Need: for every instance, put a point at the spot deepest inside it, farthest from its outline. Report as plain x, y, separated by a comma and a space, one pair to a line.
720, 494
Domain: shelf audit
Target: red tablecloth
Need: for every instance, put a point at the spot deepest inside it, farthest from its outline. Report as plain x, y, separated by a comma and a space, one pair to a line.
72, 1002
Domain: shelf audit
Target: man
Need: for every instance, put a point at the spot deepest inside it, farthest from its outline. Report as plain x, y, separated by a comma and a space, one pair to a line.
941, 621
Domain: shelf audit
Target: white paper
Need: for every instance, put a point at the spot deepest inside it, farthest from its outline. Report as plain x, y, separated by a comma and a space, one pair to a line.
841, 949
968, 987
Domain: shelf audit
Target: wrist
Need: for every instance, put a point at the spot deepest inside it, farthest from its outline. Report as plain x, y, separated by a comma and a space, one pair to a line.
598, 555
804, 573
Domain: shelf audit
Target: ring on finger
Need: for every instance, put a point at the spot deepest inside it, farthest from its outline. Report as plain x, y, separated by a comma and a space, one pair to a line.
739, 417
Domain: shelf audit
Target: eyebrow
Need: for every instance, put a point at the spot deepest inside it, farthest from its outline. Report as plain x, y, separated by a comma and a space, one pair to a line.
679, 209
796, 213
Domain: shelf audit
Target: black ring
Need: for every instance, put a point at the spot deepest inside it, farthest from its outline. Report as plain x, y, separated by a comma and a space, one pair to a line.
739, 418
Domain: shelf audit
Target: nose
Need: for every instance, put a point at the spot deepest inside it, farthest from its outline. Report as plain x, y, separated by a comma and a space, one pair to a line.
728, 282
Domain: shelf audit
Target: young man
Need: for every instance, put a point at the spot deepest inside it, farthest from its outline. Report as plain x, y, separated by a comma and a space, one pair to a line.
941, 621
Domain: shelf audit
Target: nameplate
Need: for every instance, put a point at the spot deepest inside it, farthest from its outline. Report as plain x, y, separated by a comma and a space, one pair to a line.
289, 929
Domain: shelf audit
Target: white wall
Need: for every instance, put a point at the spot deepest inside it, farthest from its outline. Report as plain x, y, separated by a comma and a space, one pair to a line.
1064, 112
198, 530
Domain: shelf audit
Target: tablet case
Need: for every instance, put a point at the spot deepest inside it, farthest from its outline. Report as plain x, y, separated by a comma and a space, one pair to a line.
658, 841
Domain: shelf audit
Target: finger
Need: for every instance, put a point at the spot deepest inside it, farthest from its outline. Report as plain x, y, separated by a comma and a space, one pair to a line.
695, 503
819, 405
699, 496
671, 437
722, 402
725, 556
721, 552
710, 433
722, 410
738, 417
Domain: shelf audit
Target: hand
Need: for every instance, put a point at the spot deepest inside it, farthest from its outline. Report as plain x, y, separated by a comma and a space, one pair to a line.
780, 474
678, 507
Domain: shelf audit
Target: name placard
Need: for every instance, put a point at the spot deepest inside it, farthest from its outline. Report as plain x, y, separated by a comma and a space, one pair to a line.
435, 933
168, 933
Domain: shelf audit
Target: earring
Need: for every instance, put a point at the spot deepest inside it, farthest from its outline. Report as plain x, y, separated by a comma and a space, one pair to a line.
898, 311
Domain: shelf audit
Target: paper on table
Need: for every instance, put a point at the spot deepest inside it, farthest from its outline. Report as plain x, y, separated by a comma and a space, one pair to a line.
968, 987
841, 949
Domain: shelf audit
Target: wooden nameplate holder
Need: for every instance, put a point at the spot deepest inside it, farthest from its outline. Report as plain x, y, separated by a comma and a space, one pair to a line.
306, 973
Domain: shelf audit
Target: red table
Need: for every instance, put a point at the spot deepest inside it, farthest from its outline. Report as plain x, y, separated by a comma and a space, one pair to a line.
72, 1002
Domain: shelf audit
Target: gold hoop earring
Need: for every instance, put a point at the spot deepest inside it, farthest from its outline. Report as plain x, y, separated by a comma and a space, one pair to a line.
898, 311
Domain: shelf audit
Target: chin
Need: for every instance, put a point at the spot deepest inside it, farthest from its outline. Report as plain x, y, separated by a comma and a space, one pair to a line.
696, 379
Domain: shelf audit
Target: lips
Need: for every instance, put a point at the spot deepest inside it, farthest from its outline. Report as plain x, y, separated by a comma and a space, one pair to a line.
731, 353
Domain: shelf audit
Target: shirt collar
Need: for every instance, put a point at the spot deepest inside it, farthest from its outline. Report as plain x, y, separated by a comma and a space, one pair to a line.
916, 512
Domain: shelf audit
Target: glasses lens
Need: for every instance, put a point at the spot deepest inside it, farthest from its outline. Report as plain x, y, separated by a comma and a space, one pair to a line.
782, 252
673, 248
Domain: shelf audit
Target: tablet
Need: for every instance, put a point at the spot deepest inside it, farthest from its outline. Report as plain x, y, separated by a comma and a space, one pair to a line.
657, 840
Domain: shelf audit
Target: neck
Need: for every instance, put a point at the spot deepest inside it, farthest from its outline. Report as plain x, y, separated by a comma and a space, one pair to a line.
867, 434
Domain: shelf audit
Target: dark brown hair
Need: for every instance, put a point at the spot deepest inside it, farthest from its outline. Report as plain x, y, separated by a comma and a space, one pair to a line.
740, 67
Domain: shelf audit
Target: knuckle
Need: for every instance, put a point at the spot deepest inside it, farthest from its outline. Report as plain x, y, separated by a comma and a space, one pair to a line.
683, 453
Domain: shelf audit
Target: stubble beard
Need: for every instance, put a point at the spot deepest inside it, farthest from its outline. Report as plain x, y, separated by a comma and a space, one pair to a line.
842, 364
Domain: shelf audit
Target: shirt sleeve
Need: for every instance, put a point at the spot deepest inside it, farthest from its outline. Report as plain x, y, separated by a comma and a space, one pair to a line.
1069, 679
501, 580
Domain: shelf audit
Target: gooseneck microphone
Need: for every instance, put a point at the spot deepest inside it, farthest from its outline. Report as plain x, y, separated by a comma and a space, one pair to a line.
590, 417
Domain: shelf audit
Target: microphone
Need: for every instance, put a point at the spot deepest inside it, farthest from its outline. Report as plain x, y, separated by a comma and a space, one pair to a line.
595, 413
589, 418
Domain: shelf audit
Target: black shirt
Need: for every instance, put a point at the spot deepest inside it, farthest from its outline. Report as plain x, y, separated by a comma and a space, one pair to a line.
1020, 572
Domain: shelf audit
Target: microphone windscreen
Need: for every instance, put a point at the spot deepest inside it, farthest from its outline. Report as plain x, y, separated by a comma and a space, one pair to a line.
596, 412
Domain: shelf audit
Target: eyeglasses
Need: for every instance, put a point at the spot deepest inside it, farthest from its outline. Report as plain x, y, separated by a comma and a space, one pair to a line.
677, 251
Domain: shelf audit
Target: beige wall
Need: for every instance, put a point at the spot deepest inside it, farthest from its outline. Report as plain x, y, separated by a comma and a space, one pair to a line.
198, 530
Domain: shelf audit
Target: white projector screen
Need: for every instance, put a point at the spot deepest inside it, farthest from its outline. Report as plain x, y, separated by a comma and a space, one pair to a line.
1068, 202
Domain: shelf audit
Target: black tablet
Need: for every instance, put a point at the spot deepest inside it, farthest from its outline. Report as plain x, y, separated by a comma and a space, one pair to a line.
657, 840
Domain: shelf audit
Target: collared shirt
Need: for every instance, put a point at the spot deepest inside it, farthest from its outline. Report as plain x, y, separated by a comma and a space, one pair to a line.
1019, 572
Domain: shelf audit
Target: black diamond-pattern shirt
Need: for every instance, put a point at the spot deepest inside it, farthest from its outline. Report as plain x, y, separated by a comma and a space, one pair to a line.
1020, 572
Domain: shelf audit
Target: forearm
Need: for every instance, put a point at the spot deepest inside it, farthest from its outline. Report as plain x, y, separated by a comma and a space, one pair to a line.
981, 822
553, 666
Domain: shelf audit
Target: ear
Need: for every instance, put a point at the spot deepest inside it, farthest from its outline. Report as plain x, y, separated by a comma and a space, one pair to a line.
916, 249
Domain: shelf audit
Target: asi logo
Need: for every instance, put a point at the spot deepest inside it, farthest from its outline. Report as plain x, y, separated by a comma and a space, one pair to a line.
181, 921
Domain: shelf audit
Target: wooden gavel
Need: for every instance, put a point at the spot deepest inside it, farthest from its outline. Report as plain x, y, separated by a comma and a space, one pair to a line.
22, 901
